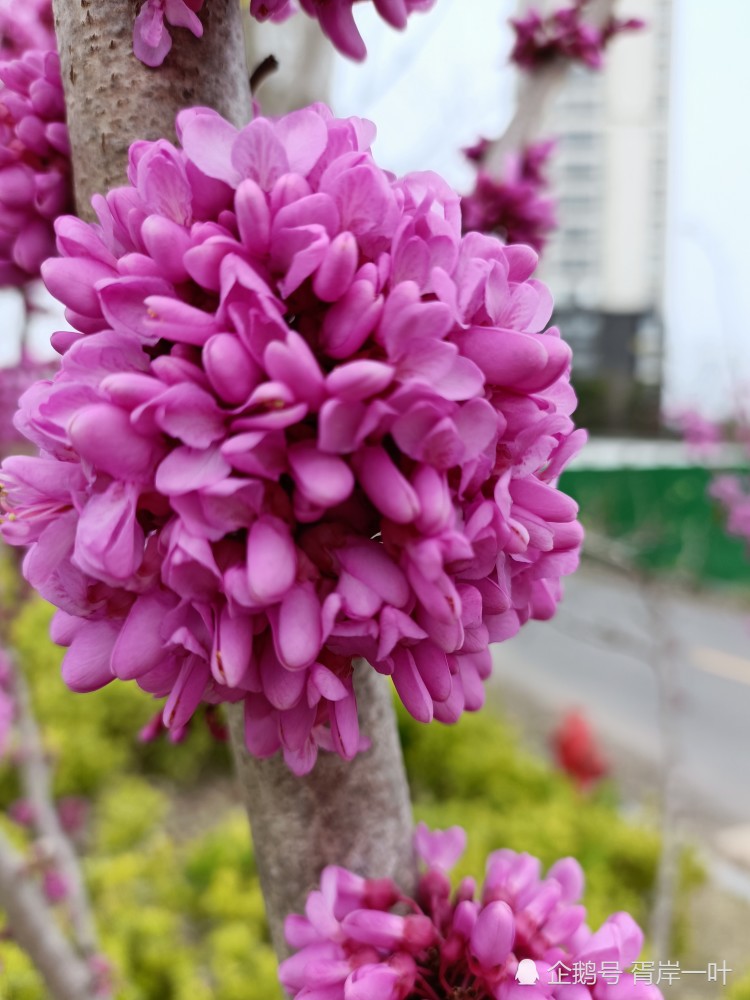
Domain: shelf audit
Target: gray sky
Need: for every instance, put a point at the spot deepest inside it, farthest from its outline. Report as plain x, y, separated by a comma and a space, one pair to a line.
708, 293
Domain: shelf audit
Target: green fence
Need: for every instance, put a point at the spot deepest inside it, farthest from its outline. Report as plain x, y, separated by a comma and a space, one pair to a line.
666, 515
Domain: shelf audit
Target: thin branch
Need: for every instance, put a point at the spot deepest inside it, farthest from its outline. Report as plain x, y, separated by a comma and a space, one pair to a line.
262, 72
37, 786
34, 928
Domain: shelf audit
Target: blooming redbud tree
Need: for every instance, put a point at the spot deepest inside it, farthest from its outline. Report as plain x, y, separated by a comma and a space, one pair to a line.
305, 435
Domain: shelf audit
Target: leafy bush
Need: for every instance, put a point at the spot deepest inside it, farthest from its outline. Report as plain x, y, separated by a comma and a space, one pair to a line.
740, 990
479, 777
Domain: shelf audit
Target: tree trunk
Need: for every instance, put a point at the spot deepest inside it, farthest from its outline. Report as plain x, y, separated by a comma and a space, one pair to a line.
355, 814
113, 99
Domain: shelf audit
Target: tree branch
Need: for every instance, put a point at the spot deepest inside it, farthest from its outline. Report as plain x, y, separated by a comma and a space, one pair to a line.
37, 787
537, 91
34, 929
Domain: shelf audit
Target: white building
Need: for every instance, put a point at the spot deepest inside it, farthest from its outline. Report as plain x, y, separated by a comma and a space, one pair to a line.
606, 262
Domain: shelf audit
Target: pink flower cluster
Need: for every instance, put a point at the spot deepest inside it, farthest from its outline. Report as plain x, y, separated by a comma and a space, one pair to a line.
151, 39
304, 421
362, 939
336, 17
514, 207
34, 152
564, 33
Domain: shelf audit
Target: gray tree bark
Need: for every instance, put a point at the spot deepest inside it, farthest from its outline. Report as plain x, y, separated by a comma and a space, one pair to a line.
36, 782
354, 814
113, 99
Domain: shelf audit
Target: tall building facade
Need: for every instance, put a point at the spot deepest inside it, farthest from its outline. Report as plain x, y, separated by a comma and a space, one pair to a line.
606, 262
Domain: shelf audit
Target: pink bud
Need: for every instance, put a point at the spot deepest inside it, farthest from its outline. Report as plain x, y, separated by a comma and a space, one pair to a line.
351, 320
271, 559
493, 935
385, 486
336, 272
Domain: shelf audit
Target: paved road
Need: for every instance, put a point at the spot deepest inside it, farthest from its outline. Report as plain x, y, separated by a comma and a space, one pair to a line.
595, 655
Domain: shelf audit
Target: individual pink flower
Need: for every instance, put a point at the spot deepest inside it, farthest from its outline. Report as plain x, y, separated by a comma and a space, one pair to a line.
303, 421
35, 185
336, 18
55, 886
564, 34
272, 10
151, 39
362, 939
514, 206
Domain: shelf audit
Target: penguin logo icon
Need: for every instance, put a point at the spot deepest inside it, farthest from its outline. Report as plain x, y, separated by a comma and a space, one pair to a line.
526, 973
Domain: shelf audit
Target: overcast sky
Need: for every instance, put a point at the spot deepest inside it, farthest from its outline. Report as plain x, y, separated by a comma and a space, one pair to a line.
443, 82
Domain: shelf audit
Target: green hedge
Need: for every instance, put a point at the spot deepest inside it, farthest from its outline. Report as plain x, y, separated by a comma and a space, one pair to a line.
666, 515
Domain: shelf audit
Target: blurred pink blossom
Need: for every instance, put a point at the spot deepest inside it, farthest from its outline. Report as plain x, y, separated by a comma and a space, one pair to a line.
732, 493
564, 33
701, 435
25, 25
55, 886
514, 206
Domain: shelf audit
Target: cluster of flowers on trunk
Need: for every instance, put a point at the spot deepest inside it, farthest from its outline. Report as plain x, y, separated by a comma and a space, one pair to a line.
35, 184
363, 939
152, 41
336, 17
516, 206
565, 34
303, 421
